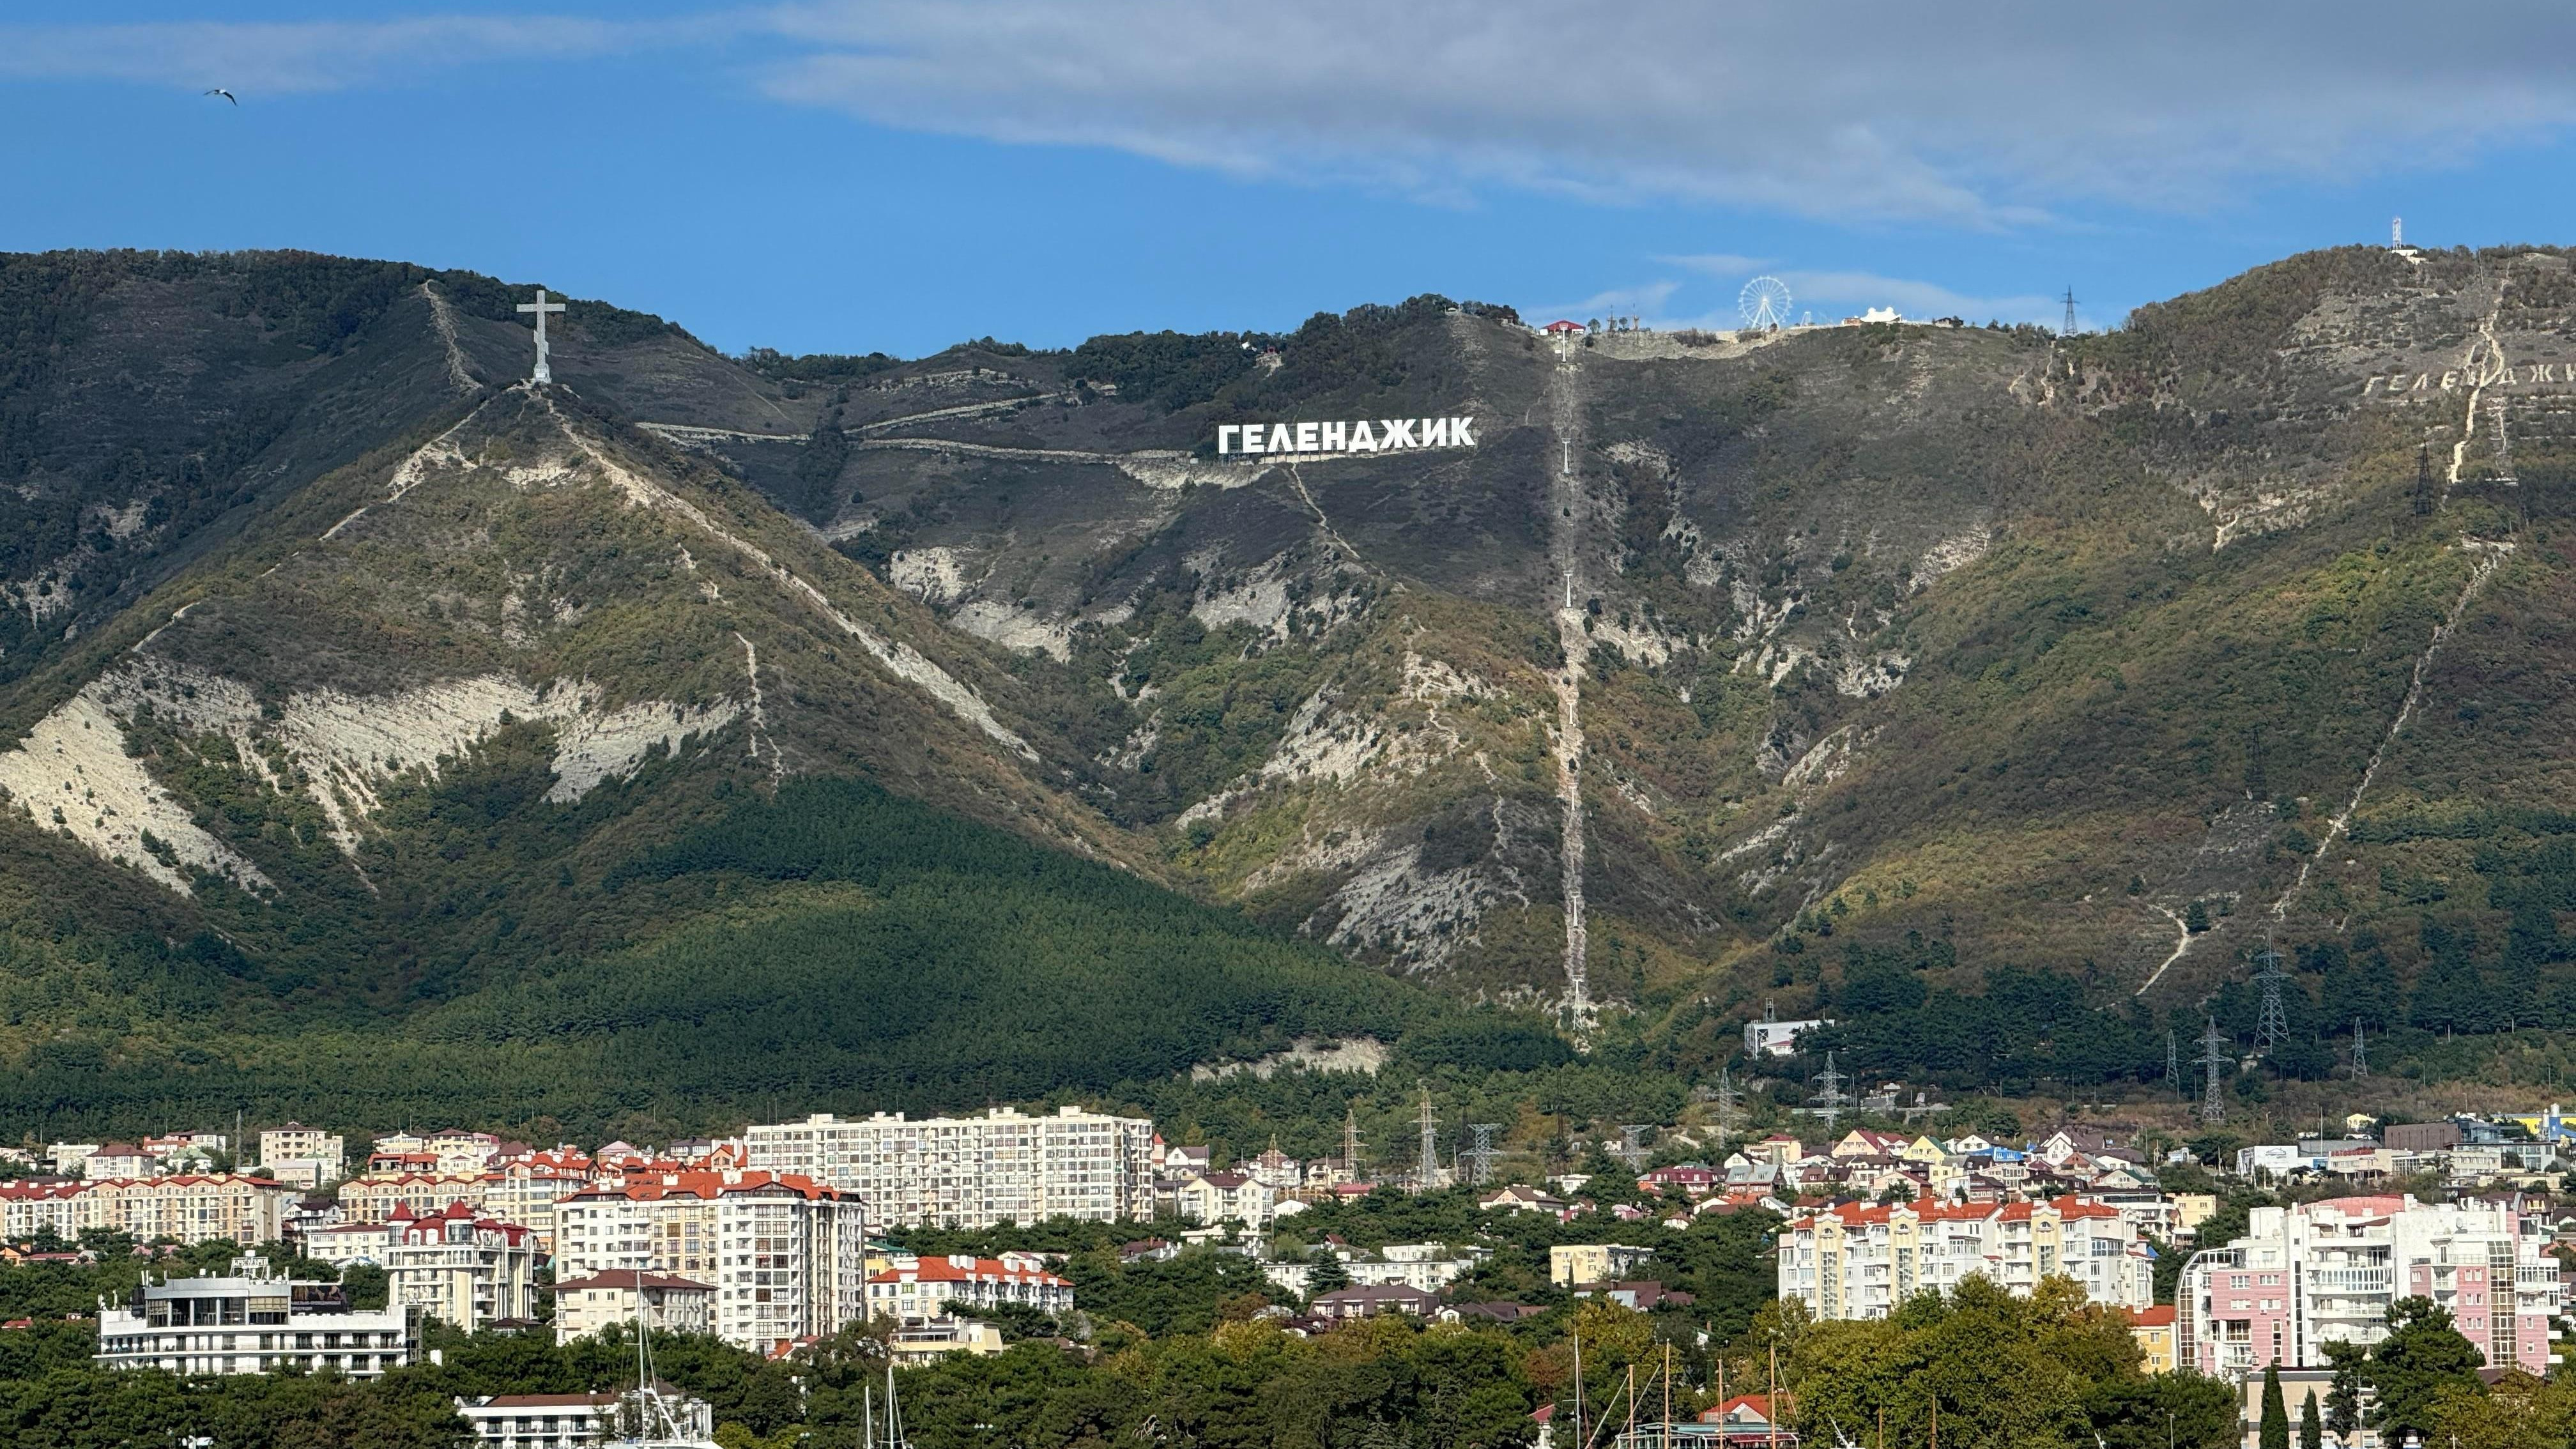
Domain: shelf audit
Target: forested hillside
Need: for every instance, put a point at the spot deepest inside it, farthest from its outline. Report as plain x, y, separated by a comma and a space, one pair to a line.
701, 736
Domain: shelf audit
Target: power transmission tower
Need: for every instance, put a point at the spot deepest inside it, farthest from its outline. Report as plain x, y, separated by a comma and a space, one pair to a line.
2213, 1055
1428, 1175
2273, 1027
2069, 329
1351, 1144
1632, 1143
1481, 1156
1730, 1110
2423, 480
1830, 1102
2173, 1064
2360, 1056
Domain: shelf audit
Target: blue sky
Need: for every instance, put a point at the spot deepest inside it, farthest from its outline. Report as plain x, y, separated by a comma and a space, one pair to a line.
853, 175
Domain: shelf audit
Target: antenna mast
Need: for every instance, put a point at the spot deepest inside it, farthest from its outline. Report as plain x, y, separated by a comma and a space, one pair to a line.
2173, 1064
1351, 1143
2360, 1057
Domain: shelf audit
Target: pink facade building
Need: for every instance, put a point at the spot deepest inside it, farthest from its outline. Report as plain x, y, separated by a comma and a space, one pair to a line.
2323, 1272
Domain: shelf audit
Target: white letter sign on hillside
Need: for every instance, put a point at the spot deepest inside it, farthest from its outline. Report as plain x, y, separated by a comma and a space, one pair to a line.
1344, 439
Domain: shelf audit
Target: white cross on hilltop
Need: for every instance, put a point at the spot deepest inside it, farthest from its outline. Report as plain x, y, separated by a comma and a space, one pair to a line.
541, 307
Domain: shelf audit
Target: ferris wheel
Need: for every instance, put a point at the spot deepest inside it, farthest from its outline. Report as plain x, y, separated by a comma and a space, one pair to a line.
1763, 304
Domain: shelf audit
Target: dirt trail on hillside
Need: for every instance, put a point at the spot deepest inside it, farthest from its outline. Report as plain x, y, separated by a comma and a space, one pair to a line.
2490, 556
1565, 535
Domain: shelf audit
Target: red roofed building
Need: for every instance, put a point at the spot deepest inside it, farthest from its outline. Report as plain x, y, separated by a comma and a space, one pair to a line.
1858, 1261
1562, 328
1689, 1180
26, 1207
524, 1189
1745, 1420
2153, 1328
786, 1254
461, 1267
911, 1287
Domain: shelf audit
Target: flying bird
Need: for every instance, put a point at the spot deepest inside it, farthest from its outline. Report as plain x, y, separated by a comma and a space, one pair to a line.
227, 95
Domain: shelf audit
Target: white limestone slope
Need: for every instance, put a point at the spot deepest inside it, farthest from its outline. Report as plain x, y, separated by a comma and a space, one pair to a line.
72, 773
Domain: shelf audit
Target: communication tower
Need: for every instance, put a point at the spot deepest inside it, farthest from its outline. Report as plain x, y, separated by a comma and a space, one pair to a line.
2173, 1064
1351, 1144
2360, 1056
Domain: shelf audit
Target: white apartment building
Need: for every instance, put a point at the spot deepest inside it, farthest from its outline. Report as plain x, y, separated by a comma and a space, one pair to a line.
27, 1208
914, 1287
249, 1322
1226, 1197
306, 1157
1859, 1261
462, 1268
2327, 1271
118, 1159
786, 1254
972, 1172
581, 1421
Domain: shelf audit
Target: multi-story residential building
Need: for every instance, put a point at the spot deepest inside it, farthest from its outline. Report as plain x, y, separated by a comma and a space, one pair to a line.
1226, 1197
911, 1287
340, 1244
248, 1322
27, 1208
972, 1172
2323, 1272
462, 1268
68, 1156
787, 1255
1427, 1266
373, 1199
1572, 1263
192, 1208
118, 1159
525, 1188
1859, 1261
581, 1421
2153, 1328
462, 1152
584, 1306
305, 1156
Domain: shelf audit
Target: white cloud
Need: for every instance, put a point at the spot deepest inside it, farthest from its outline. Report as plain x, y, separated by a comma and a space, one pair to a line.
1976, 116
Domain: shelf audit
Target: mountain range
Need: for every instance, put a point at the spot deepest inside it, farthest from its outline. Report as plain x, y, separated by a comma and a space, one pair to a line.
700, 733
